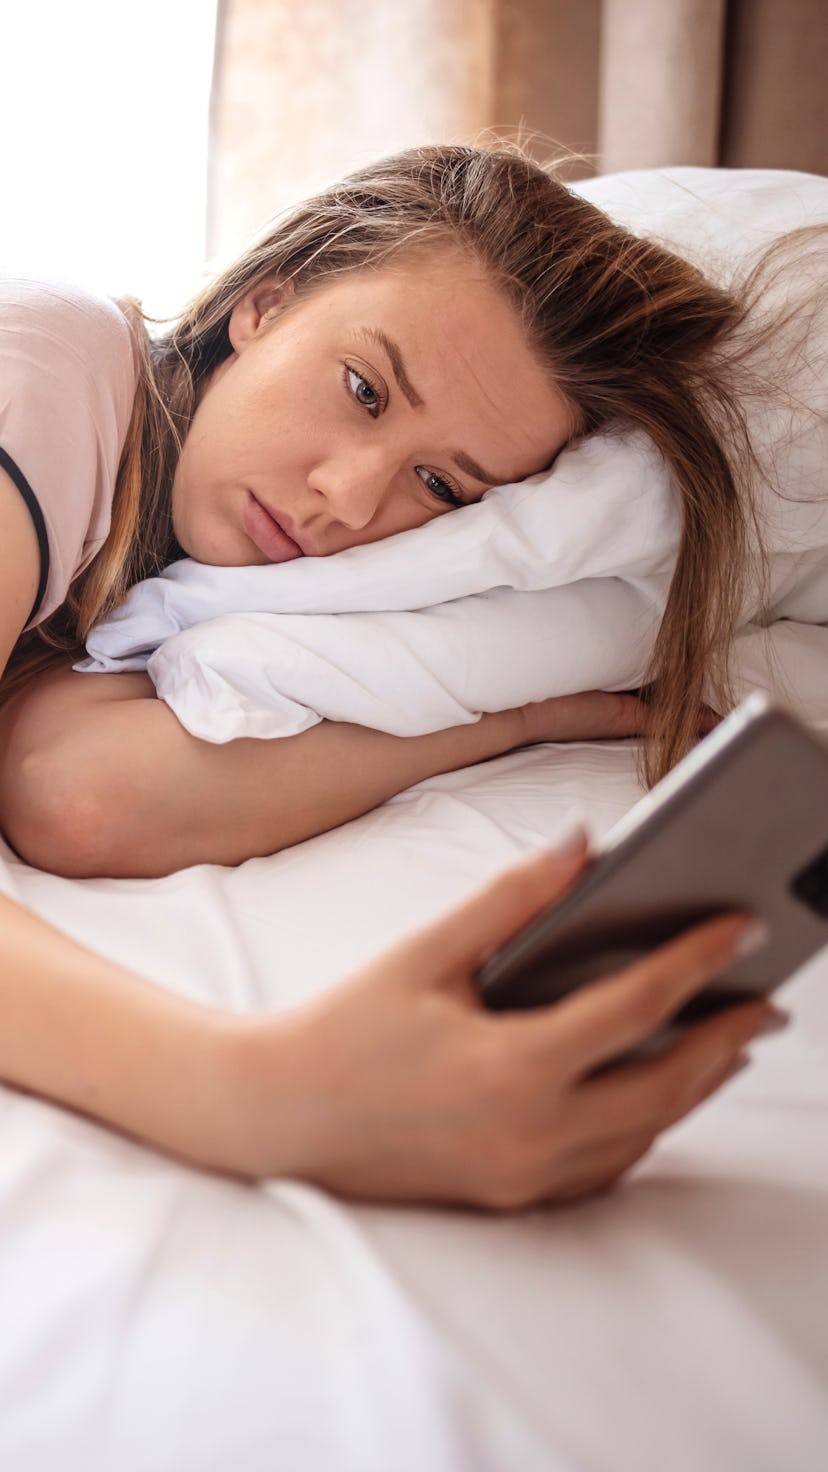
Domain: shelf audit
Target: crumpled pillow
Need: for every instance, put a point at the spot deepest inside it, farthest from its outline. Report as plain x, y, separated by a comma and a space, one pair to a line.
495, 605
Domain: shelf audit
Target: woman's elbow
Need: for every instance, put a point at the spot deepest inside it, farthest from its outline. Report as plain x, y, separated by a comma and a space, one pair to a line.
64, 817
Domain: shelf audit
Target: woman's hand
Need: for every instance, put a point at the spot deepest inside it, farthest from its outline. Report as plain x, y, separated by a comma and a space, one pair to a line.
593, 715
399, 1085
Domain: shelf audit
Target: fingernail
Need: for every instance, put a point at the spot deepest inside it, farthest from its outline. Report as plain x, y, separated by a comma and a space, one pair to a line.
751, 940
774, 1020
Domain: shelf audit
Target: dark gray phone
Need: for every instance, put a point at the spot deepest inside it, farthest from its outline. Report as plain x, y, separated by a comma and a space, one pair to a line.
741, 824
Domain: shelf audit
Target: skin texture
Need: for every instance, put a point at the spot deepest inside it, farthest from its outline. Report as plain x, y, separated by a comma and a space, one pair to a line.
308, 414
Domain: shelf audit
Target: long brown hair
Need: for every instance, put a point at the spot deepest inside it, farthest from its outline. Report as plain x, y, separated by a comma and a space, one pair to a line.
633, 336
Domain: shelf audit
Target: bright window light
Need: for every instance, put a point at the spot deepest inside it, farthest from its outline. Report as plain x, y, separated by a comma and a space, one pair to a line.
104, 112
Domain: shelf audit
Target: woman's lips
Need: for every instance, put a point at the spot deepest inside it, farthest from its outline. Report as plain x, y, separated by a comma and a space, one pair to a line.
264, 530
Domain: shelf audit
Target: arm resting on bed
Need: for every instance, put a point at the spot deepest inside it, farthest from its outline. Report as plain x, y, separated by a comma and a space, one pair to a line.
80, 1030
97, 776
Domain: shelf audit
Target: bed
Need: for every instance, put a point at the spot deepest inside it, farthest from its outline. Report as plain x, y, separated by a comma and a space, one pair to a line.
155, 1319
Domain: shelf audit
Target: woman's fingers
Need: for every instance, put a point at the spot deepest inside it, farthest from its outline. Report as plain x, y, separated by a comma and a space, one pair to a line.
596, 715
598, 1168
601, 1126
588, 715
606, 1127
610, 1017
452, 947
651, 1096
594, 1167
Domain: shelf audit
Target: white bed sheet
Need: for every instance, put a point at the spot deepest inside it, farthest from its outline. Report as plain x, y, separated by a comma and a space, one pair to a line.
158, 1319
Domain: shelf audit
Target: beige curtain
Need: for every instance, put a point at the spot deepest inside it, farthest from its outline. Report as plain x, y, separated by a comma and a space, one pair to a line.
661, 68
306, 89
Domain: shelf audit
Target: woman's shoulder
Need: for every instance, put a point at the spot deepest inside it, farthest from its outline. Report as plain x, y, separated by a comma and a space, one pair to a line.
71, 321
67, 356
68, 375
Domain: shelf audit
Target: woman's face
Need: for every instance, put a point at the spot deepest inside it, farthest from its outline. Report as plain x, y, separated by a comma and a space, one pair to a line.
370, 406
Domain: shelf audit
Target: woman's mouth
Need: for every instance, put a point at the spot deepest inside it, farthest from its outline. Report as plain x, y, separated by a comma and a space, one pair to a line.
265, 532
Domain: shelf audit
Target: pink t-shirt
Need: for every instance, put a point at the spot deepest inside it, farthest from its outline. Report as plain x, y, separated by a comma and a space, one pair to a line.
68, 373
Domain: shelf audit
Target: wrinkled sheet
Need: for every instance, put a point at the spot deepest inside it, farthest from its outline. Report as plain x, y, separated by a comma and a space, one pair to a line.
155, 1319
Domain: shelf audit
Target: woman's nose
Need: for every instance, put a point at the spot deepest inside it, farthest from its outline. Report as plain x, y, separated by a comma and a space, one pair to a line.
353, 487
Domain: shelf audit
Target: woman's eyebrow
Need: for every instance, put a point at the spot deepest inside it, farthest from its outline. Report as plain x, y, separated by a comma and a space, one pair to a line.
391, 349
471, 467
395, 357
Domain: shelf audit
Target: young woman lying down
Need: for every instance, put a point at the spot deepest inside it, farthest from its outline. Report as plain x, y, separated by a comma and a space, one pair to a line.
442, 322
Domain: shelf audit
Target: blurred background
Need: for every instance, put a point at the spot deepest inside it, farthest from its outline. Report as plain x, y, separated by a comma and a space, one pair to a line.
147, 143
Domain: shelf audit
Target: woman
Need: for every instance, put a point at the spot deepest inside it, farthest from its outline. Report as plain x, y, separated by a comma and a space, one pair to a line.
444, 321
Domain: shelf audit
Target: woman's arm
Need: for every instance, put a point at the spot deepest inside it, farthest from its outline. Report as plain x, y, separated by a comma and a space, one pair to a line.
84, 1032
97, 776
396, 1085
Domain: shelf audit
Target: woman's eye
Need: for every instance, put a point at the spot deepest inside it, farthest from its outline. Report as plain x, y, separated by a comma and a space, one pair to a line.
364, 392
439, 488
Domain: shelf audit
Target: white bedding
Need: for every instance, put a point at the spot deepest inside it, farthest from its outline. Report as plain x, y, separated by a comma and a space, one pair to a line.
153, 1319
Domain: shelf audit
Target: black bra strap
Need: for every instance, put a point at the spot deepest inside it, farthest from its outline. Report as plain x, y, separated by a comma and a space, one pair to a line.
16, 474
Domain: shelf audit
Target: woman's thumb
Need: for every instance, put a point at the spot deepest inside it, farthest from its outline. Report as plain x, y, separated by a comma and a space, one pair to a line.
465, 937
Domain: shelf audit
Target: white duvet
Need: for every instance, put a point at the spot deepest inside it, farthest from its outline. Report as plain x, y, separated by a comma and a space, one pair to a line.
549, 586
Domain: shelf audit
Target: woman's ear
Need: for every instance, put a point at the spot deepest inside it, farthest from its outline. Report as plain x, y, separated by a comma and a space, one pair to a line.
254, 312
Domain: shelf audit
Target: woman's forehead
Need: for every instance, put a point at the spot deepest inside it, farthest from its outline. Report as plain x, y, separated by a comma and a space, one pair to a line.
454, 338
438, 328
414, 283
441, 308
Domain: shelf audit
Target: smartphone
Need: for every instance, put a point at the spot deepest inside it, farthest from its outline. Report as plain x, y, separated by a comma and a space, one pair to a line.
741, 824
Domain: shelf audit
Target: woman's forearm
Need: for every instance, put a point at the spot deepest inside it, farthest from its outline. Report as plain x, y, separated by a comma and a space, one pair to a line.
80, 1030
93, 784
395, 1085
